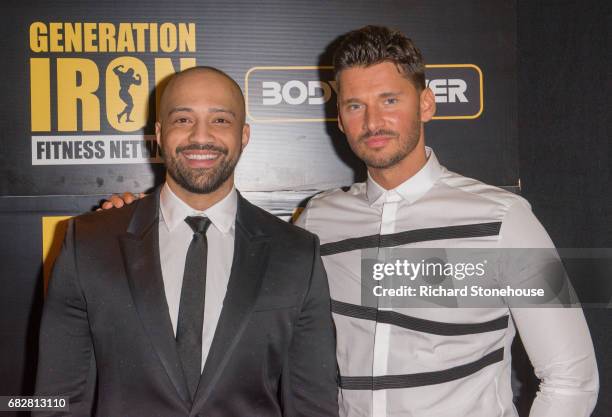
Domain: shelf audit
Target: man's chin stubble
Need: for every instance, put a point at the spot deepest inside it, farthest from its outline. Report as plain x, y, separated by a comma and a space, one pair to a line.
385, 163
202, 180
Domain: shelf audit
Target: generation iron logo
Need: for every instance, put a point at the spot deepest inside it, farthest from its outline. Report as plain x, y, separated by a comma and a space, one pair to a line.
308, 93
93, 88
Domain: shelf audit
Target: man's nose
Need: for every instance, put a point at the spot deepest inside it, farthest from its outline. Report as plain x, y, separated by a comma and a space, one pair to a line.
373, 119
200, 133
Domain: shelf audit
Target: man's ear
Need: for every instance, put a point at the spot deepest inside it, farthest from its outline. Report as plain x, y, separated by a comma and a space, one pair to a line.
427, 105
158, 133
340, 125
246, 135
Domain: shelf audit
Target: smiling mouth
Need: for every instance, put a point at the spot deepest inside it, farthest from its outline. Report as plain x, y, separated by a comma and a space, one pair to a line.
201, 157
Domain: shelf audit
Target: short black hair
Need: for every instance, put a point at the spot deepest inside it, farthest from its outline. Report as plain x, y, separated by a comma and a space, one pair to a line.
373, 45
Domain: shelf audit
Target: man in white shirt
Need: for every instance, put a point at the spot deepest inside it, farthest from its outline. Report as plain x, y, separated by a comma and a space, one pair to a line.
192, 301
429, 362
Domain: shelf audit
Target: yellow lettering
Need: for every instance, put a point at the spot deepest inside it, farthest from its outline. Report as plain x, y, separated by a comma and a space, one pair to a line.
70, 91
38, 40
141, 29
167, 38
77, 37
187, 37
40, 95
90, 37
106, 33
55, 37
73, 37
125, 40
153, 38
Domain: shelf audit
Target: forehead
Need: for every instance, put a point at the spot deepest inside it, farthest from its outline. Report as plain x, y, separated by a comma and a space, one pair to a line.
201, 89
375, 79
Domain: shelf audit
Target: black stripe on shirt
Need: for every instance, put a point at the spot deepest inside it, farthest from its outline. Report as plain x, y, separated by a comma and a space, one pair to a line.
411, 236
417, 324
420, 379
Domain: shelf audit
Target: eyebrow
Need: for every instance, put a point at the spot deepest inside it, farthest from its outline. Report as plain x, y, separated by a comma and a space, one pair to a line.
210, 110
221, 110
381, 95
179, 109
389, 94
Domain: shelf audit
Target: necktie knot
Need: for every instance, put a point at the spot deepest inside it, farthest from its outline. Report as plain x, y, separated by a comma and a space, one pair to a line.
198, 224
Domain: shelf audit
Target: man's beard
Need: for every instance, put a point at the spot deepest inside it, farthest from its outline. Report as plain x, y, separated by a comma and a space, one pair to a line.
406, 147
200, 180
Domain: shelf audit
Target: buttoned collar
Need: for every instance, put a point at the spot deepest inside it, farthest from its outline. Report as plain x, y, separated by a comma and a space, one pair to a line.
174, 210
410, 190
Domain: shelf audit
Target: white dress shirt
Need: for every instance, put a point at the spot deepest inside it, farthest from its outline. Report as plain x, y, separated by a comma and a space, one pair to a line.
175, 235
391, 368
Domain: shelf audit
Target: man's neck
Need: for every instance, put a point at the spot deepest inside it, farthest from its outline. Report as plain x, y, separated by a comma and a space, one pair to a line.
392, 177
201, 202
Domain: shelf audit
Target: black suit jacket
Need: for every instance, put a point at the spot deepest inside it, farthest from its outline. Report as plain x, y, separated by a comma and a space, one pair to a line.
107, 343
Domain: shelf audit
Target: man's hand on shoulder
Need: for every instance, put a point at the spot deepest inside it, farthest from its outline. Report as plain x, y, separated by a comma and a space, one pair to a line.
119, 200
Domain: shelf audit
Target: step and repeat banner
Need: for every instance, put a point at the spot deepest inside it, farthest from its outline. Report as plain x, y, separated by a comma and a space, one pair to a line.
82, 81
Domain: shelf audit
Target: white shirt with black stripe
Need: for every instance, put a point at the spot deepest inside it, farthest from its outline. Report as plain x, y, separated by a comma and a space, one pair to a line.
422, 362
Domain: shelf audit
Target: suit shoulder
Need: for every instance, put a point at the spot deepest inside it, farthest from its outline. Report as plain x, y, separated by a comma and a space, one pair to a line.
107, 222
273, 226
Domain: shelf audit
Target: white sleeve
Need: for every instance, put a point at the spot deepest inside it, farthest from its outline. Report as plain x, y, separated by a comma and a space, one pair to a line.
556, 339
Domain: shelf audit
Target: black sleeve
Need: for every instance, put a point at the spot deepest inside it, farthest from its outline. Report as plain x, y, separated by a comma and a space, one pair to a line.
311, 378
66, 363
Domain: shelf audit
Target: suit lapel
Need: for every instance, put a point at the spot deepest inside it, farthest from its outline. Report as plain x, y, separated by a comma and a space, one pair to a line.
140, 248
250, 257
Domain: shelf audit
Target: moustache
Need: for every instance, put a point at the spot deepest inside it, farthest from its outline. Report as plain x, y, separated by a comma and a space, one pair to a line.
381, 132
201, 147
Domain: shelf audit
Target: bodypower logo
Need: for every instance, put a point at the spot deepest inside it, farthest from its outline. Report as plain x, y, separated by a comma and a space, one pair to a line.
92, 88
308, 94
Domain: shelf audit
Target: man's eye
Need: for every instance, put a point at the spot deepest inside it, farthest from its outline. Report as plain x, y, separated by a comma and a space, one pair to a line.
391, 100
221, 120
354, 106
181, 120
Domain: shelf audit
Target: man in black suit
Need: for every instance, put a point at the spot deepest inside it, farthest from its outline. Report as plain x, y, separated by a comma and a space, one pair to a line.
192, 301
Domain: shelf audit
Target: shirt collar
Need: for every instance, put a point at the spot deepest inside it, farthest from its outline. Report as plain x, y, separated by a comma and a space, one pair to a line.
410, 190
221, 214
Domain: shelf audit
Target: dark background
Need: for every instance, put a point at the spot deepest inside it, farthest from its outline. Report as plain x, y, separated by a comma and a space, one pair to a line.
564, 165
564, 141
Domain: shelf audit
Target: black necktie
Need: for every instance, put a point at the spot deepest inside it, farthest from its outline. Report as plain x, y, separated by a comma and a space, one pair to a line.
191, 308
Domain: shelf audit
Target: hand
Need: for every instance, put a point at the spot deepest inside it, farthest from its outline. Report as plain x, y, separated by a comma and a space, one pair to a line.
119, 200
